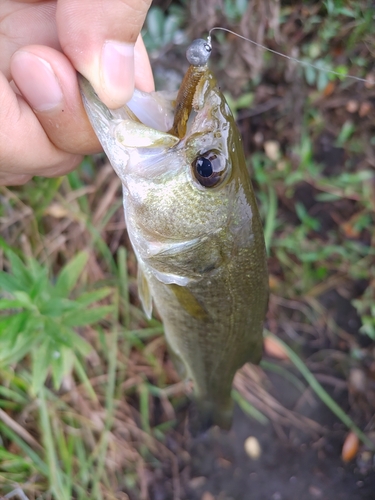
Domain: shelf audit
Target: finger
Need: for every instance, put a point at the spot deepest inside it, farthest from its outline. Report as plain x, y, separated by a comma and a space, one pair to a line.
24, 146
144, 79
13, 180
99, 36
25, 23
48, 82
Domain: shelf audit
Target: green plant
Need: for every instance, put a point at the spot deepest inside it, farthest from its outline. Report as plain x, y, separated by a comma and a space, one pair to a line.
39, 316
235, 9
365, 306
162, 27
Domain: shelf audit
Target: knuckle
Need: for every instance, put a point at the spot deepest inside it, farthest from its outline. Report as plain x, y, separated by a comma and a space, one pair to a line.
63, 166
14, 179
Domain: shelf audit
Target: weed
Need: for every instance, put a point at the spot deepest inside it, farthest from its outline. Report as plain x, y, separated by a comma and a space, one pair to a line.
39, 317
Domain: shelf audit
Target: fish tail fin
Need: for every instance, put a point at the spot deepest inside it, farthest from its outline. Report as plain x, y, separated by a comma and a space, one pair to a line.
205, 414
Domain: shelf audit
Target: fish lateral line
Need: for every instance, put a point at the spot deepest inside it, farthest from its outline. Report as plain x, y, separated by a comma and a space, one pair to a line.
370, 81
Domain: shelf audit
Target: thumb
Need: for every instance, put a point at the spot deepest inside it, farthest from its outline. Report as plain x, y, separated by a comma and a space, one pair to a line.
101, 39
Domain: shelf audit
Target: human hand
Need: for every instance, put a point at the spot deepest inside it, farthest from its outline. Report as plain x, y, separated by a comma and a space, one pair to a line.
44, 129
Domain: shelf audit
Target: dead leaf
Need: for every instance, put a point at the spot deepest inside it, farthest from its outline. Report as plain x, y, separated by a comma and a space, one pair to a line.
350, 447
274, 349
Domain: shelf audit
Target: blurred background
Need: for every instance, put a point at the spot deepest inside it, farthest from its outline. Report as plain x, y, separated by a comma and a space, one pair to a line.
90, 404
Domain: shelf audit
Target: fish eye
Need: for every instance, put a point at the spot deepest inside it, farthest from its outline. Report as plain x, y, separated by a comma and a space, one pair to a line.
209, 169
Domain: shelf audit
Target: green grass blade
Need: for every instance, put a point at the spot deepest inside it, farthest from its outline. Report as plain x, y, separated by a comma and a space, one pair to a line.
248, 408
34, 457
109, 401
54, 473
80, 371
280, 370
70, 274
123, 284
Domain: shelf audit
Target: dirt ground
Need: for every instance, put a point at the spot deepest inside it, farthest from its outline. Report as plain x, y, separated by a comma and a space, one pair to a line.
292, 465
287, 469
284, 471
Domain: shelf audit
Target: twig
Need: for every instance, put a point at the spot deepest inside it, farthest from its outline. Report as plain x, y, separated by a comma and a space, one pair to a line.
18, 429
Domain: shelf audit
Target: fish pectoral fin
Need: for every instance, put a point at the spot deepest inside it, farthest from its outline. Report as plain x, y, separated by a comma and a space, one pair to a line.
189, 302
144, 292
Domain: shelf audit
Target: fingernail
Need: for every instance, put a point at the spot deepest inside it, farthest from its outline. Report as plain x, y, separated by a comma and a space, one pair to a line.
36, 80
118, 71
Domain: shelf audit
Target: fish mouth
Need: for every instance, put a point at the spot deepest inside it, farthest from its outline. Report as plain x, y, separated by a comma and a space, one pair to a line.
152, 109
151, 124
175, 119
165, 112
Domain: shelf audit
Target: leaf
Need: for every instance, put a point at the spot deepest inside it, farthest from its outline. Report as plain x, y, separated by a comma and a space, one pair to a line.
63, 336
36, 269
41, 362
61, 365
72, 339
345, 133
241, 6
70, 274
13, 396
310, 75
11, 326
368, 326
41, 288
322, 80
155, 23
57, 307
171, 25
12, 353
19, 270
10, 304
245, 101
326, 197
8, 282
86, 317
24, 300
88, 298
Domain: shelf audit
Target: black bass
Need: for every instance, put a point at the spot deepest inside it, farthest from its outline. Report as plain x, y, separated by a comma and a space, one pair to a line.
193, 221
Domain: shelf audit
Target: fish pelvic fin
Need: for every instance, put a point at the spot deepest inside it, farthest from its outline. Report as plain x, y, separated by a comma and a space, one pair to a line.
204, 414
144, 292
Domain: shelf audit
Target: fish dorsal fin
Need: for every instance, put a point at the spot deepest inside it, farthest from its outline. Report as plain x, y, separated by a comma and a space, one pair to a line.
136, 135
188, 301
144, 292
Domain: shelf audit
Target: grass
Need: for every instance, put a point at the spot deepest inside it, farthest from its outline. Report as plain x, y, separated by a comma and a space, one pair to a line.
88, 398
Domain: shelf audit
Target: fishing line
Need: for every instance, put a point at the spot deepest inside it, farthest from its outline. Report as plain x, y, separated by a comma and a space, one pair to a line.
290, 58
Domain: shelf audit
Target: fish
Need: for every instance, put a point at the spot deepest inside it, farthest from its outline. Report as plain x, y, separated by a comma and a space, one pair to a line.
193, 221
